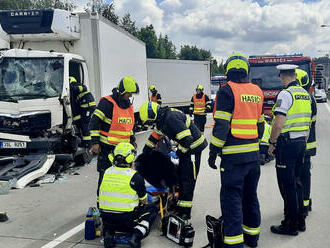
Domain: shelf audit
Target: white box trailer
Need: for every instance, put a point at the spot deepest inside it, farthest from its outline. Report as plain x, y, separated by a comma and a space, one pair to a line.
176, 80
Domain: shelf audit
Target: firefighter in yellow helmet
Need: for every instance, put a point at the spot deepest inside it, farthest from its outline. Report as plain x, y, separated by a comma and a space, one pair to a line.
303, 79
113, 122
83, 106
178, 127
239, 123
199, 106
290, 130
155, 96
123, 199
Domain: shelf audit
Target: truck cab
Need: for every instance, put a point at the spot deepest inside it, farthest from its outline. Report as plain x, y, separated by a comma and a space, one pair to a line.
35, 104
263, 73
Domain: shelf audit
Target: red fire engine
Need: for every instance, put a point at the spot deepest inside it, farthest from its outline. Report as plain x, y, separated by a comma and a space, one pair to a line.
263, 72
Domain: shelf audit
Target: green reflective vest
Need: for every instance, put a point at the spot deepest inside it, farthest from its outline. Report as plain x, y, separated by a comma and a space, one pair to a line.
266, 135
299, 114
115, 192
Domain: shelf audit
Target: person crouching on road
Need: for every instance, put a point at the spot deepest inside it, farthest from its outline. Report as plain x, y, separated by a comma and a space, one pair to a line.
290, 130
199, 106
178, 127
123, 199
239, 122
112, 123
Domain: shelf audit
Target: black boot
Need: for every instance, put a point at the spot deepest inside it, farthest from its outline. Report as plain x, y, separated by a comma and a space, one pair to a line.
251, 244
302, 225
109, 241
135, 241
284, 230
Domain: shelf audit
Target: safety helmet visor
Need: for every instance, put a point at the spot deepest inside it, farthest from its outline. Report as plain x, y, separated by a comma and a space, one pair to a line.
148, 111
199, 87
302, 77
72, 80
128, 85
237, 62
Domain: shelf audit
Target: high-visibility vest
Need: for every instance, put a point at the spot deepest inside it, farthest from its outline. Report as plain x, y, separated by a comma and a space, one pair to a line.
267, 132
247, 110
298, 118
153, 98
199, 104
122, 124
116, 193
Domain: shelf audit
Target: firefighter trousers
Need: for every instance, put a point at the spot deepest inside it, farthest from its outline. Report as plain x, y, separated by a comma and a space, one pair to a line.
83, 126
188, 172
103, 163
289, 159
306, 182
239, 203
139, 221
200, 121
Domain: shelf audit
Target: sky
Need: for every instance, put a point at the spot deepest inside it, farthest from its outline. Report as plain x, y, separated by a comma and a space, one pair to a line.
247, 26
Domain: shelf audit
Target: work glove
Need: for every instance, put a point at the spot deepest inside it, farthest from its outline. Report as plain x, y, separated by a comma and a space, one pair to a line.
211, 160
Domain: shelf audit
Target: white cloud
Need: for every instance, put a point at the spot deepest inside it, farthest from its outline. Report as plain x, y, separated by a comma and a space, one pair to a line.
224, 26
170, 5
143, 12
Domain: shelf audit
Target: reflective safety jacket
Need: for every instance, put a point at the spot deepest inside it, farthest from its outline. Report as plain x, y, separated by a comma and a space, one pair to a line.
116, 193
239, 122
199, 104
298, 117
156, 98
177, 126
311, 142
112, 123
266, 136
248, 100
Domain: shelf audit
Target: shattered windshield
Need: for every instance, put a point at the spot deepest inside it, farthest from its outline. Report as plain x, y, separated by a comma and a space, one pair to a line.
30, 78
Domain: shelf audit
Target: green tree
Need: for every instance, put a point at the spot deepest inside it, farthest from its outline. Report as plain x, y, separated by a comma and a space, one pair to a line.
105, 9
35, 4
53, 4
166, 48
129, 25
15, 4
214, 67
148, 35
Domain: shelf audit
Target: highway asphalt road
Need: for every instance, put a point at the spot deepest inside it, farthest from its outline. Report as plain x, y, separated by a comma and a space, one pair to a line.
53, 215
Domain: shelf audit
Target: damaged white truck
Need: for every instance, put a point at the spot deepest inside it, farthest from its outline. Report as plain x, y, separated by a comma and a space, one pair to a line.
41, 49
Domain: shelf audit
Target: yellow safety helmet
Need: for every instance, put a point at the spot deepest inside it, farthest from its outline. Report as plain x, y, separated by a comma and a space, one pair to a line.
72, 80
152, 87
124, 153
302, 78
148, 111
237, 62
128, 85
199, 87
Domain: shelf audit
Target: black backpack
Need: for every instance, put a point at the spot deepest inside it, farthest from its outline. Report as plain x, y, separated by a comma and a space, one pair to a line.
214, 231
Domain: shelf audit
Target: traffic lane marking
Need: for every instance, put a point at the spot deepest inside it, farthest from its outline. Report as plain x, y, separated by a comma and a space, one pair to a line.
65, 236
